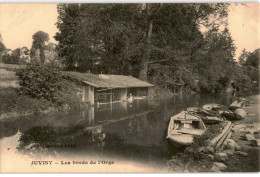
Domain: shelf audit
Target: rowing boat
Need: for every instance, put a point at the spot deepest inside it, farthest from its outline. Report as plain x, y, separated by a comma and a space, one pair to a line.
208, 117
183, 127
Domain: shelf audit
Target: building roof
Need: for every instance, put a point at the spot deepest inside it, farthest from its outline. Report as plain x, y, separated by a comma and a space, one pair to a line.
108, 81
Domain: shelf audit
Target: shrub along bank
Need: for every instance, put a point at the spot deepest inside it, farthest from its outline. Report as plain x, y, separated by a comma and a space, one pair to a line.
41, 87
47, 82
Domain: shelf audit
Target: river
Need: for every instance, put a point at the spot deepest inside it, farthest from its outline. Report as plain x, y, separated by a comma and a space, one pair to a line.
119, 132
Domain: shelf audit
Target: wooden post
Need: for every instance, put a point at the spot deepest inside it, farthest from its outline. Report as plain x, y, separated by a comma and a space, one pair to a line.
90, 95
91, 115
123, 94
83, 93
111, 97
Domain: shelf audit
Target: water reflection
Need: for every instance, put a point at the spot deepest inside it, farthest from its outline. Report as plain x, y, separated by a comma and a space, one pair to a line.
44, 140
59, 141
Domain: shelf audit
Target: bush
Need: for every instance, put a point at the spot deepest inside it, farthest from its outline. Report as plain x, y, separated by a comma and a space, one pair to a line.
46, 82
11, 101
158, 92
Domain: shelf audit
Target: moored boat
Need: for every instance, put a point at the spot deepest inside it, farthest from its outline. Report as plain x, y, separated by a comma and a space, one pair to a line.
222, 110
218, 108
208, 117
183, 127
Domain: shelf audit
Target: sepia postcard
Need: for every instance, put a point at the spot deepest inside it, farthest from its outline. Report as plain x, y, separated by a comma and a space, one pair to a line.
129, 87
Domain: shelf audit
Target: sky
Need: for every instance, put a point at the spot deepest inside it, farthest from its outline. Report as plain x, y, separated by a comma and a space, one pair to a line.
244, 26
18, 22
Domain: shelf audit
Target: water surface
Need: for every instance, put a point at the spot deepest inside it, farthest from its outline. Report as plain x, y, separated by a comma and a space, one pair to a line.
133, 132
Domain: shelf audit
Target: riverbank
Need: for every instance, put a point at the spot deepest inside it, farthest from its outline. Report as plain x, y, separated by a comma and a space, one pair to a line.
243, 158
34, 90
241, 130
15, 105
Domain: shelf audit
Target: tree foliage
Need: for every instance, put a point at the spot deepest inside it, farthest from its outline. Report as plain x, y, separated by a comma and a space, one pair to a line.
39, 40
249, 74
2, 47
128, 35
18, 56
12, 58
161, 43
253, 59
243, 57
214, 60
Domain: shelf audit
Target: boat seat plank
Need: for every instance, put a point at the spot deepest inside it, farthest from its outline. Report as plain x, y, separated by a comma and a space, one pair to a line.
181, 119
191, 131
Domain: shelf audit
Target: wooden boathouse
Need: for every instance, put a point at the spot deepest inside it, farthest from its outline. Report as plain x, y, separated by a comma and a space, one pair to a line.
102, 88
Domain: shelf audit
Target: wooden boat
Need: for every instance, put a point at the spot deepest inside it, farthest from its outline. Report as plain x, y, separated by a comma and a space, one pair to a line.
221, 110
208, 117
218, 108
183, 127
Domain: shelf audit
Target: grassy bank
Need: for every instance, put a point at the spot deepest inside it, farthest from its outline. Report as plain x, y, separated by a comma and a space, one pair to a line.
8, 78
11, 101
34, 89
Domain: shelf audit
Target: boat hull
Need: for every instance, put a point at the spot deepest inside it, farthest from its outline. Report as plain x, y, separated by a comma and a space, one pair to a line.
183, 127
180, 140
207, 116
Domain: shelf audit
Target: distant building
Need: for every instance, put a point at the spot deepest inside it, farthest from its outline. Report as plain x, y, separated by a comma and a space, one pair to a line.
50, 56
103, 88
24, 55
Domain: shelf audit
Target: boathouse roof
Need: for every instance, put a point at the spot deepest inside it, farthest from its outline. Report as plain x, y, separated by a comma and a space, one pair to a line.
108, 81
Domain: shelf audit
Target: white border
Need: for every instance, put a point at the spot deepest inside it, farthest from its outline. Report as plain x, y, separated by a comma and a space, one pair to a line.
131, 174
126, 1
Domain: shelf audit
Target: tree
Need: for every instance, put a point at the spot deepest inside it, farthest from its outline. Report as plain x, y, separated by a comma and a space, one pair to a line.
12, 58
69, 16
243, 57
1, 40
253, 59
128, 34
215, 60
39, 40
183, 43
2, 48
162, 43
